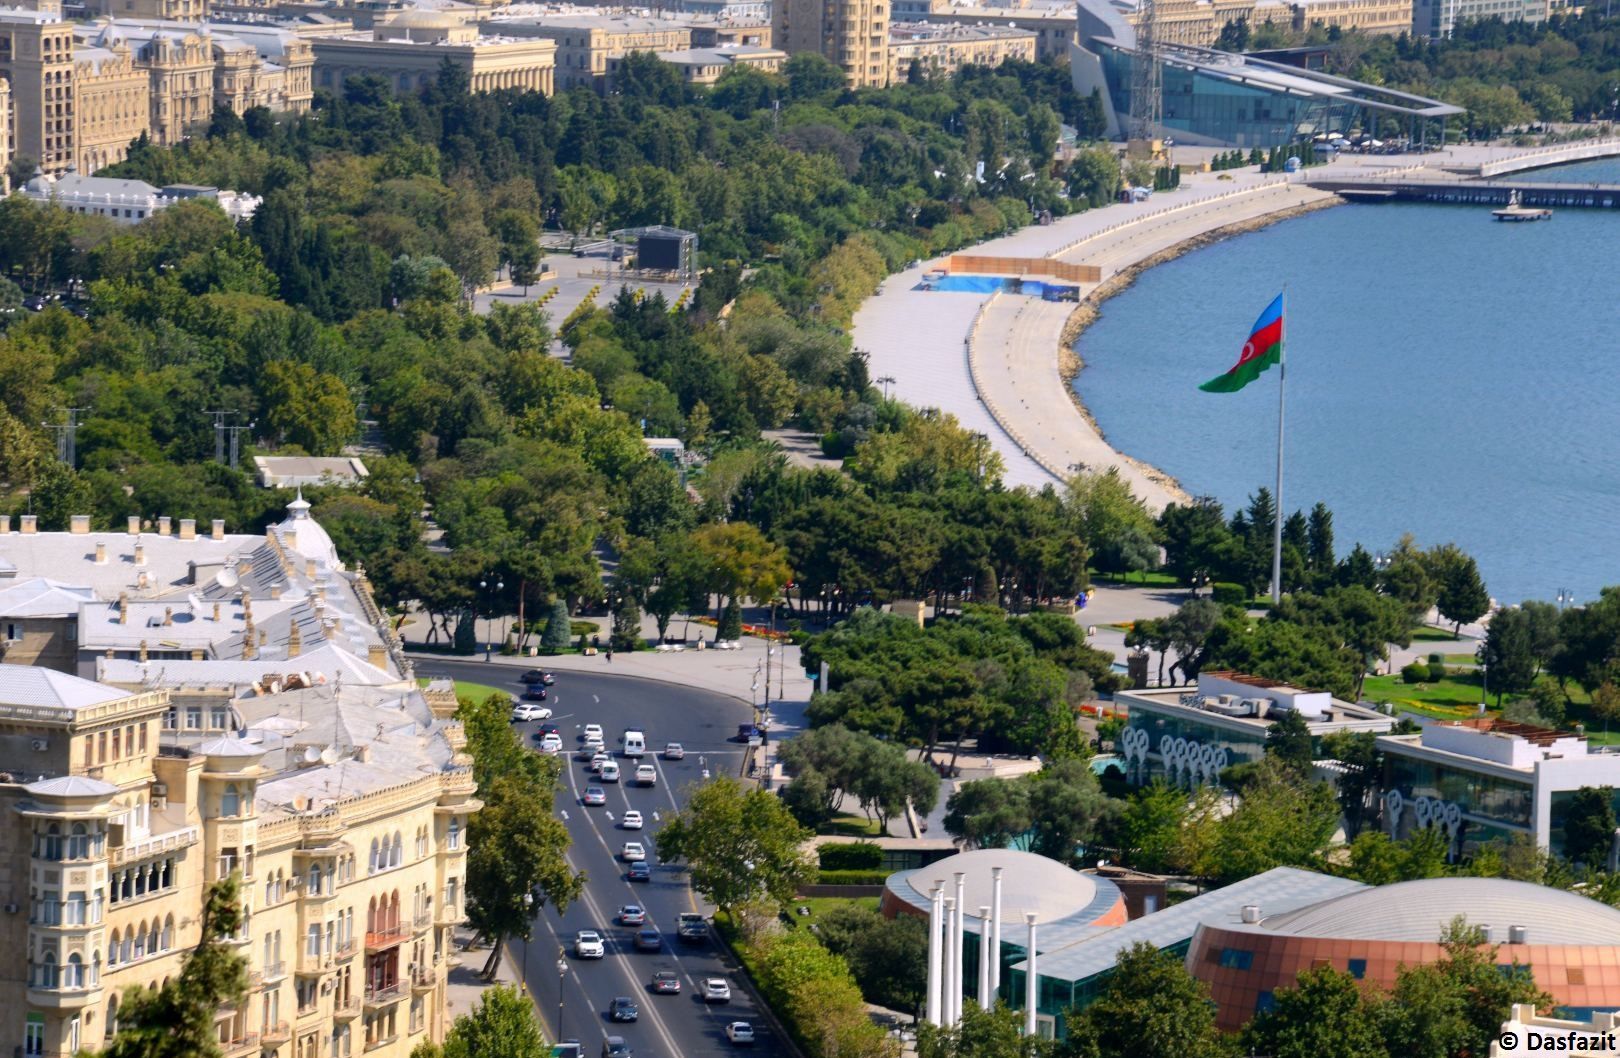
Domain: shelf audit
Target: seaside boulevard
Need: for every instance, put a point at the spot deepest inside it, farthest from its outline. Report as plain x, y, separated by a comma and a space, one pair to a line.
1002, 363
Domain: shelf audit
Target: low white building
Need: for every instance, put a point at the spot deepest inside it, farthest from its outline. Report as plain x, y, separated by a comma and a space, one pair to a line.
288, 472
129, 201
1526, 1034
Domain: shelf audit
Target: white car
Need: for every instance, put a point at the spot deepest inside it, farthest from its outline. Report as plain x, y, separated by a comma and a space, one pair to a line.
609, 772
631, 820
588, 945
593, 731
740, 1033
551, 743
595, 744
632, 852
716, 990
530, 711
646, 775
598, 759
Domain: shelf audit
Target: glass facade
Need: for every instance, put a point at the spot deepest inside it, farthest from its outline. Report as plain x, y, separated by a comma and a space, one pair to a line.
1484, 797
1240, 746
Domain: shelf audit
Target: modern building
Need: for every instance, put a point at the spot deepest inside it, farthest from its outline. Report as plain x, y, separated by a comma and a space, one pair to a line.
1218, 99
1187, 735
1569, 943
851, 34
130, 201
1589, 1037
660, 250
1489, 779
1437, 18
288, 472
409, 49
940, 49
111, 827
1073, 972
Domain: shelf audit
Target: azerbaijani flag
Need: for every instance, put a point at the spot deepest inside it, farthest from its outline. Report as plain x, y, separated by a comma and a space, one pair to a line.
1263, 349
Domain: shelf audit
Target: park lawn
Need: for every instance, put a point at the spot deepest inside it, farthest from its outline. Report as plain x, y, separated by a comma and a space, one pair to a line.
852, 826
1431, 634
1137, 580
820, 905
1452, 698
1470, 660
475, 691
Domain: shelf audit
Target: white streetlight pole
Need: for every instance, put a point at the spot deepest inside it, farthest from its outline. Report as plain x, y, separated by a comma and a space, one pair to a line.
936, 929
984, 958
1032, 977
995, 931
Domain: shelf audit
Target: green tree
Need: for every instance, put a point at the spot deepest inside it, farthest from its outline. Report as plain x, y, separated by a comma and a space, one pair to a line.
1362, 777
557, 636
1462, 598
503, 1023
1408, 579
1288, 739
1148, 833
1327, 1015
1507, 655
1284, 820
1113, 522
1589, 827
888, 956
180, 1020
741, 844
995, 1033
742, 562
308, 408
1150, 1007
988, 813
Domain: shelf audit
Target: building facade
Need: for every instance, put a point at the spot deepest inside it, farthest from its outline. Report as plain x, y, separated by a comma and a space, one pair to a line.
129, 201
939, 50
705, 66
851, 34
1437, 18
110, 104
409, 50
587, 43
36, 60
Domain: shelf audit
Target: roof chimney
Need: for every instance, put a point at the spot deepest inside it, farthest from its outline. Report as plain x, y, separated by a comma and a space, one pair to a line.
244, 567
309, 568
79, 523
163, 525
275, 591
133, 525
123, 607
101, 554
143, 581
291, 541
1517, 934
1485, 931
295, 641
377, 654
1251, 913
216, 611
143, 650
362, 754
248, 649
188, 528
30, 524
218, 530
140, 554
168, 616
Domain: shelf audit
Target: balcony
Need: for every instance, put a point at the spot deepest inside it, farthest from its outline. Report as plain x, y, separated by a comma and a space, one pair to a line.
449, 916
311, 963
280, 1032
382, 995
312, 1011
267, 975
63, 998
383, 939
244, 1044
347, 950
346, 1009
422, 920
423, 979
153, 846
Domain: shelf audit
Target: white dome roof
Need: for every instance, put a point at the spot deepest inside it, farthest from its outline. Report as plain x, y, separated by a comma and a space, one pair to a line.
1029, 883
309, 539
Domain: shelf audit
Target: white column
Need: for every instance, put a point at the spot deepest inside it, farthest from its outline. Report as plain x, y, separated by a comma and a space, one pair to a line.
945, 1014
984, 958
995, 930
1032, 977
936, 957
961, 916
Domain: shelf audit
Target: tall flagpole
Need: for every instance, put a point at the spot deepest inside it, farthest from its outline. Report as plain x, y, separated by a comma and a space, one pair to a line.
1277, 519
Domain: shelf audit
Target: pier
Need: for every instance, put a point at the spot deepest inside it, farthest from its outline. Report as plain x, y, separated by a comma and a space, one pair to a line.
1494, 193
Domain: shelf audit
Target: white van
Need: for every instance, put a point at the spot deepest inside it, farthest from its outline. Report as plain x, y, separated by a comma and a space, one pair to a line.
635, 742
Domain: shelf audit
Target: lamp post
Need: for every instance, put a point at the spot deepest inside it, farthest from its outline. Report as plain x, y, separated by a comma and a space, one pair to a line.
483, 585
528, 913
562, 974
1565, 598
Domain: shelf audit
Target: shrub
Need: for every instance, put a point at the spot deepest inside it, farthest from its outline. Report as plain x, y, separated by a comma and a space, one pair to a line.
584, 628
1417, 672
853, 877
1437, 671
1437, 659
857, 856
1229, 594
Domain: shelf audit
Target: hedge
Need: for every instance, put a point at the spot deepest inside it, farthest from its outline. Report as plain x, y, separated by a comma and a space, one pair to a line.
815, 995
859, 856
1227, 594
853, 877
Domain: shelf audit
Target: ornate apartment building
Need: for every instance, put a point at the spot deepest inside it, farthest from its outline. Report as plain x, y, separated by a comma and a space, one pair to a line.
941, 50
852, 34
36, 58
407, 50
110, 96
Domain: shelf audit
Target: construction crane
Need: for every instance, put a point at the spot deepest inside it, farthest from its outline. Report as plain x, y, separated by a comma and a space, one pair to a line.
1147, 82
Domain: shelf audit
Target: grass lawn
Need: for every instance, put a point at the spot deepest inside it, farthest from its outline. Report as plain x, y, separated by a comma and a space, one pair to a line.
852, 826
1453, 698
1431, 634
820, 905
475, 691
1137, 580
1470, 660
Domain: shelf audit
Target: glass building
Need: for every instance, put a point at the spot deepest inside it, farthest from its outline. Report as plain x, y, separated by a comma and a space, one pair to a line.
1218, 99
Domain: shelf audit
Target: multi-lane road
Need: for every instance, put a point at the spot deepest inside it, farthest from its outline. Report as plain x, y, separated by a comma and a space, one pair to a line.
670, 1026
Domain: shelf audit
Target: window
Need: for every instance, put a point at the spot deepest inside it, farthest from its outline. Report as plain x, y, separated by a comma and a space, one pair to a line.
74, 977
375, 863
142, 731
79, 843
51, 847
1358, 969
1263, 1002
421, 842
45, 973
231, 803
218, 718
1236, 958
75, 909
455, 834
314, 882
193, 717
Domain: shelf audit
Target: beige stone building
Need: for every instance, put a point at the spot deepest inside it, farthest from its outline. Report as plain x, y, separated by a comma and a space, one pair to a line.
36, 59
408, 50
351, 851
1054, 28
110, 104
587, 42
160, 10
852, 34
941, 50
1368, 16
704, 66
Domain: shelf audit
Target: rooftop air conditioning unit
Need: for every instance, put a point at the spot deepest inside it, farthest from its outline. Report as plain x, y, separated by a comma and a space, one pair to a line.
1251, 913
1517, 934
40, 745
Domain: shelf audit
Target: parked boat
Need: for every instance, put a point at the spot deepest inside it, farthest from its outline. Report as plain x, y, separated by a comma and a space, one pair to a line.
1516, 210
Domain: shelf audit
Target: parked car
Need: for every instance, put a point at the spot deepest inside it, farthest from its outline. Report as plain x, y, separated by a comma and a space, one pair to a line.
540, 676
632, 851
740, 1033
640, 871
649, 940
615, 1047
666, 983
594, 795
535, 693
631, 820
716, 990
530, 711
623, 1008
674, 751
632, 915
588, 944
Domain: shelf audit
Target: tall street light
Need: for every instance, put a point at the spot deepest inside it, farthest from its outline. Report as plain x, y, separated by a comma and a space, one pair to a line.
562, 974
483, 585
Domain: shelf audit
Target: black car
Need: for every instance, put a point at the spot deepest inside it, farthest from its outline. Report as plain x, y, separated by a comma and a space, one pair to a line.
535, 693
623, 1008
539, 676
638, 872
615, 1047
747, 732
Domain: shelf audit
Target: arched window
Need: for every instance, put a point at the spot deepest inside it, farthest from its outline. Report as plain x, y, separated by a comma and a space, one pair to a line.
393, 911
74, 978
399, 849
112, 1016
231, 803
53, 842
140, 942
47, 971
95, 969
168, 932
371, 916
314, 879
127, 952
112, 949
79, 843
375, 864
154, 939
455, 832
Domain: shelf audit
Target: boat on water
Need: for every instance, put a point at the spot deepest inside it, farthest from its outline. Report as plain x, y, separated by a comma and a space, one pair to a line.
1516, 210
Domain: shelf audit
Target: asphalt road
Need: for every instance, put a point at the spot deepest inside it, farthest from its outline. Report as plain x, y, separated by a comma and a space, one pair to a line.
670, 1026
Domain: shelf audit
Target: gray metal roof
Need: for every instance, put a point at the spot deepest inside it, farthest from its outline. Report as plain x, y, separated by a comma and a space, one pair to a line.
71, 786
1029, 883
1279, 889
28, 685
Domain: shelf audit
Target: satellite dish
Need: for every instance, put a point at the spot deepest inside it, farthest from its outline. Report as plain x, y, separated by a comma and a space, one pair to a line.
329, 755
227, 578
311, 755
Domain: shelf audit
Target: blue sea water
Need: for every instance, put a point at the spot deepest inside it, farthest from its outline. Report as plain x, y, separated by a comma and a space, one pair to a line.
1447, 376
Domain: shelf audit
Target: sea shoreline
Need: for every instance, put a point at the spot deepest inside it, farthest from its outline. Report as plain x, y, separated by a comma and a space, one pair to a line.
1071, 363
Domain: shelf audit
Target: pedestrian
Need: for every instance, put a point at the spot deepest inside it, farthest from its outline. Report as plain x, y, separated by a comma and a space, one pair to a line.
610, 655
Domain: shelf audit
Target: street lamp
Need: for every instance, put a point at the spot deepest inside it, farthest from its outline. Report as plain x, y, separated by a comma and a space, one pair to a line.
562, 974
1565, 598
528, 913
483, 585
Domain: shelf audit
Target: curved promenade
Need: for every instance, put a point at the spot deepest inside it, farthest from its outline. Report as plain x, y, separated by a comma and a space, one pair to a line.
994, 361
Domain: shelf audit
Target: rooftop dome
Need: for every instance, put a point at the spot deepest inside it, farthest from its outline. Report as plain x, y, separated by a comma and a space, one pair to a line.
72, 786
230, 747
1029, 883
309, 539
1421, 910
